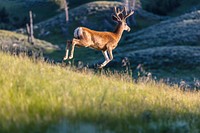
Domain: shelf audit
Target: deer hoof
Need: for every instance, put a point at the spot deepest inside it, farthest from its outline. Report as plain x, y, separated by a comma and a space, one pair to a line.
65, 58
100, 66
70, 57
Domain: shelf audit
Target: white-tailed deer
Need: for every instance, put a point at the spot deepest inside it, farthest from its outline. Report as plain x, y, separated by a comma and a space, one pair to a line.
104, 41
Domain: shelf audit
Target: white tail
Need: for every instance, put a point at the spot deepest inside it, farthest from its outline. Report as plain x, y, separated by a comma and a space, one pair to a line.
78, 33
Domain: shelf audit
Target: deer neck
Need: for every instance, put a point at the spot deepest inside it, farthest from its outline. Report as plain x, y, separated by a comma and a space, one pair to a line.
119, 30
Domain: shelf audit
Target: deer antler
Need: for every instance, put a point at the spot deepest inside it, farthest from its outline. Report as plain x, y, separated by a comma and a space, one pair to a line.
128, 14
118, 12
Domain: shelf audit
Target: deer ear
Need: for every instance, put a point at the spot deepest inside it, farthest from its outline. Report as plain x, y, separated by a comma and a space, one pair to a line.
115, 18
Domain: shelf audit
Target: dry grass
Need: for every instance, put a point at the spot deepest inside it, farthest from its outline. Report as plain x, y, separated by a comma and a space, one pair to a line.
37, 96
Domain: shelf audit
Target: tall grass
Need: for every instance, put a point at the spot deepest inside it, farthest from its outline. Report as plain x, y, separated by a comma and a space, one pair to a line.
39, 97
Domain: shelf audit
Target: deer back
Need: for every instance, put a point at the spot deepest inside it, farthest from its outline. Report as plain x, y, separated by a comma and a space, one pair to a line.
95, 39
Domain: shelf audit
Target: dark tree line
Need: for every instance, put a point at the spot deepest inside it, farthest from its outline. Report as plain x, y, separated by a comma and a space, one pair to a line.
161, 7
4, 16
9, 22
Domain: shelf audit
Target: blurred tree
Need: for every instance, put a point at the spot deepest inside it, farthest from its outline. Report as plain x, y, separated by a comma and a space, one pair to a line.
61, 3
66, 10
29, 28
4, 16
130, 5
161, 7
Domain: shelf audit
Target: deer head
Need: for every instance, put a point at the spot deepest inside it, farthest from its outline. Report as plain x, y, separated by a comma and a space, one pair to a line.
120, 17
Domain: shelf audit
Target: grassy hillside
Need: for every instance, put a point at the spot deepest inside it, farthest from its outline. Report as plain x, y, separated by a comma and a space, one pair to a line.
171, 46
40, 97
95, 15
91, 15
15, 42
176, 32
168, 45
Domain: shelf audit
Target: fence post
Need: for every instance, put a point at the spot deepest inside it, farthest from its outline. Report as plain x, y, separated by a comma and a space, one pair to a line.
66, 10
31, 27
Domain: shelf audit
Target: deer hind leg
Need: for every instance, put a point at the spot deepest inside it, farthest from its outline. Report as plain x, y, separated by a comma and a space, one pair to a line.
67, 50
107, 60
74, 42
110, 53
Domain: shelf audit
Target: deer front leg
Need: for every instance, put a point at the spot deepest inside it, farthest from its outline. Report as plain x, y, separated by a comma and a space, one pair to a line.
106, 59
72, 51
67, 50
74, 42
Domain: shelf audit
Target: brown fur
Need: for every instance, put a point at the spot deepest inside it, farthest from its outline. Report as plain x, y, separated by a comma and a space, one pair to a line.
97, 40
104, 41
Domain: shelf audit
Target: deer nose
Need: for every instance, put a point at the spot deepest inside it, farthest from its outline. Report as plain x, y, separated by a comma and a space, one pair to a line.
129, 29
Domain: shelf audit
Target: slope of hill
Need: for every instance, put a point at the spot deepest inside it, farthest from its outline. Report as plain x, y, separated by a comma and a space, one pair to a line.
169, 45
95, 15
172, 44
43, 98
14, 42
181, 31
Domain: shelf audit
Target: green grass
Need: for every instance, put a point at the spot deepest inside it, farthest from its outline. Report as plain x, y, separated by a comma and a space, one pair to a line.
41, 97
8, 39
